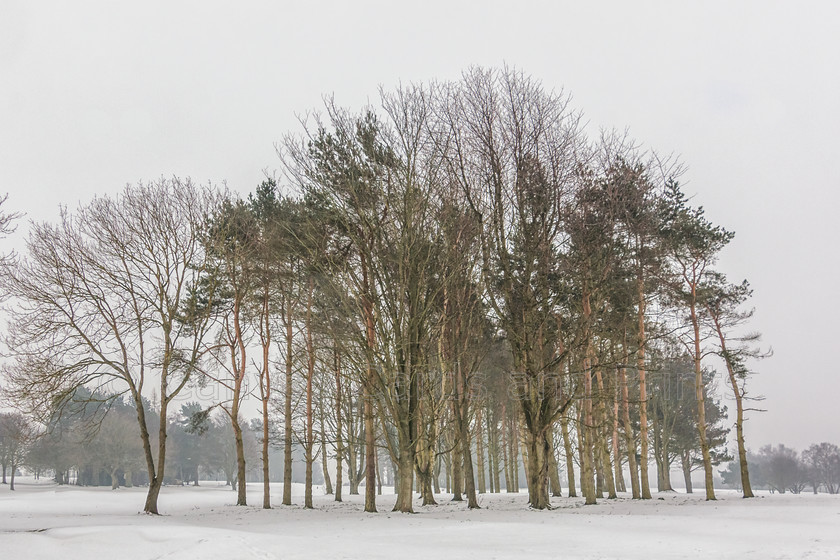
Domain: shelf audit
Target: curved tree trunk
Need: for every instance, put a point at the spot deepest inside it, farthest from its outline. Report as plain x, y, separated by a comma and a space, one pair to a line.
739, 413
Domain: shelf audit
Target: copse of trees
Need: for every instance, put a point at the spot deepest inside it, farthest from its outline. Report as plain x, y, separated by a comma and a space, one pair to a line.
455, 285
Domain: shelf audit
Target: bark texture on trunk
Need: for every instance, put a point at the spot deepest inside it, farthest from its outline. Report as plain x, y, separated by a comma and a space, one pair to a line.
746, 487
643, 397
287, 413
629, 438
570, 457
339, 441
700, 394
553, 467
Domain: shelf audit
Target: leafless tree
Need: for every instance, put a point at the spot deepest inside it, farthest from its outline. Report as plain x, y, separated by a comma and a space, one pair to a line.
105, 298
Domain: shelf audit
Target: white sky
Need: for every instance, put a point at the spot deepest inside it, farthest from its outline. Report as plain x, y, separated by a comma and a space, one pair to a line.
97, 94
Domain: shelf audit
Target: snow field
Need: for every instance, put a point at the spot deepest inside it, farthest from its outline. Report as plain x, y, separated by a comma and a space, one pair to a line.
42, 520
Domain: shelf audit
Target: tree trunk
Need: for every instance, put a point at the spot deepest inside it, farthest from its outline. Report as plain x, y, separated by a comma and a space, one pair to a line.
469, 476
241, 498
265, 389
324, 457
629, 439
619, 475
686, 469
155, 475
309, 444
457, 465
570, 458
739, 413
506, 452
479, 452
287, 412
606, 466
553, 468
587, 475
238, 369
657, 453
461, 410
405, 477
642, 367
339, 443
537, 461
700, 394
370, 458
370, 434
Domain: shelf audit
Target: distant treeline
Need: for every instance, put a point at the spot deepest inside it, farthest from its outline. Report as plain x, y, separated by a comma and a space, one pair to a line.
781, 469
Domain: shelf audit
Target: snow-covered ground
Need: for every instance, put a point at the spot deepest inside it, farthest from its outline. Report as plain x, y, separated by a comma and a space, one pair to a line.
42, 520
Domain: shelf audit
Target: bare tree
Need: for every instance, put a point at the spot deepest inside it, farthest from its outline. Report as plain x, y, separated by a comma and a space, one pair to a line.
105, 298
823, 462
17, 433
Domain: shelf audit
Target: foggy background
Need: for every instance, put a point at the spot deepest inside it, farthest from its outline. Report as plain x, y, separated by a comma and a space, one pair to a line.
94, 95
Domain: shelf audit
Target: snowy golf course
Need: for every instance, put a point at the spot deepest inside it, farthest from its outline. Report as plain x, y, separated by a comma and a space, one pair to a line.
43, 520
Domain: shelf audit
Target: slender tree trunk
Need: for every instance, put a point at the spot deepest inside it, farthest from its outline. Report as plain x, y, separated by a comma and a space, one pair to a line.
324, 455
492, 456
587, 475
606, 466
309, 444
739, 413
686, 469
643, 415
241, 498
469, 476
378, 474
629, 439
616, 453
287, 412
457, 465
154, 482
265, 388
238, 368
700, 393
370, 434
461, 406
479, 452
570, 458
506, 452
553, 468
436, 477
657, 452
339, 443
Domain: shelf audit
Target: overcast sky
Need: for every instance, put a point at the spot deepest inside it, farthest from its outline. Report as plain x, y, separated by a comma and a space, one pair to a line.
94, 95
